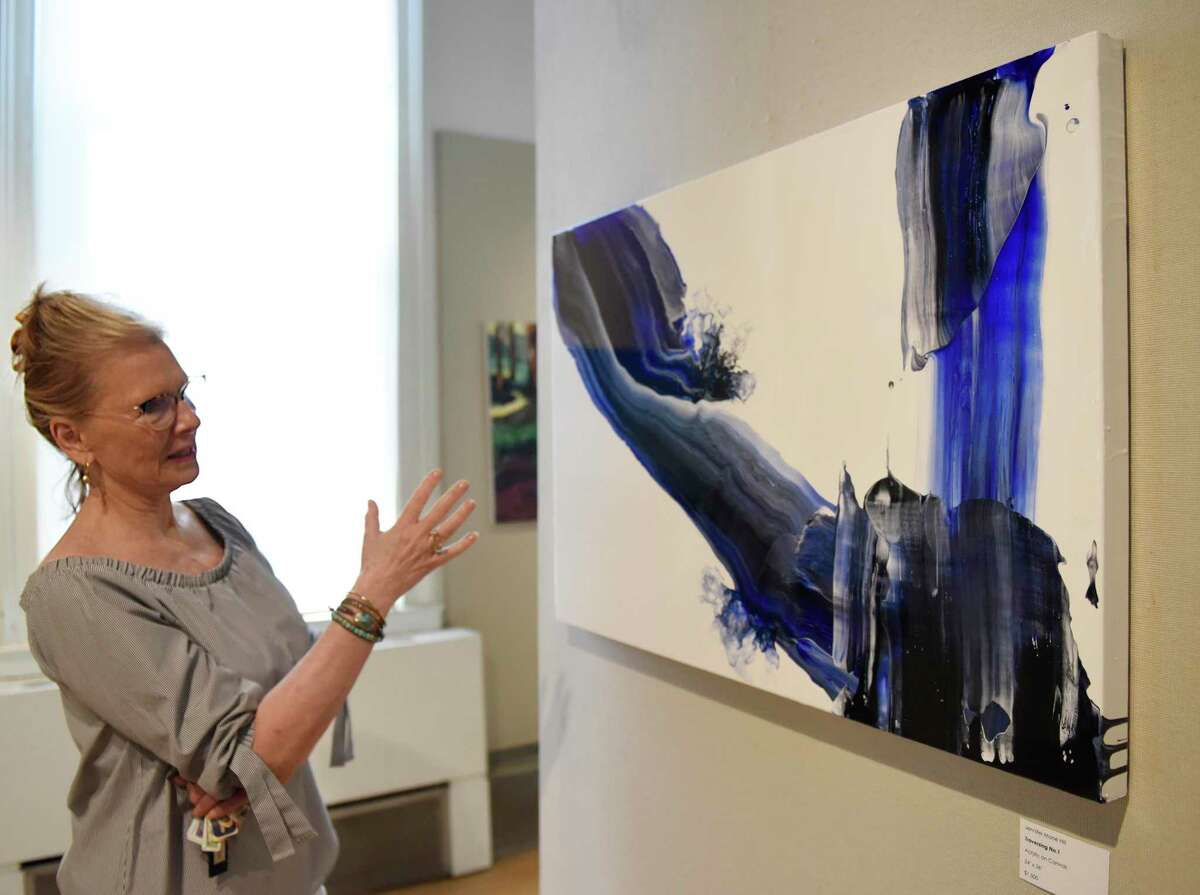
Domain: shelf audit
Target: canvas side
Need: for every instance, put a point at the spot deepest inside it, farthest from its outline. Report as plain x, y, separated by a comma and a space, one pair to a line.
1113, 239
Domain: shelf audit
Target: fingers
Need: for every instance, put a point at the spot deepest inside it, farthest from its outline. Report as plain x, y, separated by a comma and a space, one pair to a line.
370, 528
416, 503
205, 805
457, 518
229, 806
445, 503
195, 793
462, 545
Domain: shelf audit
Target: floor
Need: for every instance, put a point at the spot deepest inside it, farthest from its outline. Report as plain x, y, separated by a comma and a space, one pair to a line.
514, 875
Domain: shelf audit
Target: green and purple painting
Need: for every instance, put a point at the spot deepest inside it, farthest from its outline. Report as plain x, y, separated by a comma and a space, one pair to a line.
512, 409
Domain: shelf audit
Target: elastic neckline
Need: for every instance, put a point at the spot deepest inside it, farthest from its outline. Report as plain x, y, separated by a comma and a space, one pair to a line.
159, 576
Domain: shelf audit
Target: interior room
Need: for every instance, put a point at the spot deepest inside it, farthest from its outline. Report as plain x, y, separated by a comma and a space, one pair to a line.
499, 446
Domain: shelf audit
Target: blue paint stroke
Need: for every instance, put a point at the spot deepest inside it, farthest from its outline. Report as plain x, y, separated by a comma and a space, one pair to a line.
749, 505
972, 213
662, 344
965, 158
988, 388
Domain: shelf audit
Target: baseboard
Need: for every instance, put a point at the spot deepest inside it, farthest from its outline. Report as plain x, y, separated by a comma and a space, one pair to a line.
389, 842
513, 774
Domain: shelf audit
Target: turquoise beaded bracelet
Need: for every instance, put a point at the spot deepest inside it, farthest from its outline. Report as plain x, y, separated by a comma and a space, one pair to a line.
355, 629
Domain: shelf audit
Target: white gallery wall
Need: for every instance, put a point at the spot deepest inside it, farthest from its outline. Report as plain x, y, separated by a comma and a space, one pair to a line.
479, 67
659, 777
479, 98
485, 272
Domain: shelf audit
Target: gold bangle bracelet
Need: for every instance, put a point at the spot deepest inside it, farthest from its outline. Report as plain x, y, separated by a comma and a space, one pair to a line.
361, 617
361, 602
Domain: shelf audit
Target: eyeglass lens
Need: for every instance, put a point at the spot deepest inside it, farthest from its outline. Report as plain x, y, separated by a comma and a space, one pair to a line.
159, 412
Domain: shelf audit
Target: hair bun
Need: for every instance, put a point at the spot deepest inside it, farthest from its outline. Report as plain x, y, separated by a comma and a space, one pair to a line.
24, 343
21, 343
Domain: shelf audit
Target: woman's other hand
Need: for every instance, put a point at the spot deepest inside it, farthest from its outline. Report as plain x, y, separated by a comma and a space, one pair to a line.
205, 805
395, 560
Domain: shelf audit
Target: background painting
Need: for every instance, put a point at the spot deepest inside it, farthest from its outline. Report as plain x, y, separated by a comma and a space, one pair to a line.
512, 406
848, 421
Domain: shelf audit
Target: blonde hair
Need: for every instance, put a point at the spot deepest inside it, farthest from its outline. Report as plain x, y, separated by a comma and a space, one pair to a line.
61, 341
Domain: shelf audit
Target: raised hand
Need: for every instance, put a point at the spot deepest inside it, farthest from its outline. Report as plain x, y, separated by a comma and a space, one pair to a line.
396, 559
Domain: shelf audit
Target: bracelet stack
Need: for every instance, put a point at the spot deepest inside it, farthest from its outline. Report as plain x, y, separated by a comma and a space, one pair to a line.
359, 617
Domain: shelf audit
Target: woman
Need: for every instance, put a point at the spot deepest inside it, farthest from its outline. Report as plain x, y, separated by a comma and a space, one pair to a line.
186, 672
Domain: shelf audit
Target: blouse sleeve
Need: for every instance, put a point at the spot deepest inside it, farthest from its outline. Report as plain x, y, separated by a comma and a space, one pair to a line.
158, 688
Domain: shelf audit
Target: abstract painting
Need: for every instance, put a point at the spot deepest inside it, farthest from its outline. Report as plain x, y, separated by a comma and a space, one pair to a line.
848, 421
512, 406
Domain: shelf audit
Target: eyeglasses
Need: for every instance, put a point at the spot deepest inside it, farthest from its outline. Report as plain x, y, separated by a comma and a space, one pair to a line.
159, 413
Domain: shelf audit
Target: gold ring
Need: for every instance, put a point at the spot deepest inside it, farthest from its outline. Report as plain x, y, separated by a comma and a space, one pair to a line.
435, 542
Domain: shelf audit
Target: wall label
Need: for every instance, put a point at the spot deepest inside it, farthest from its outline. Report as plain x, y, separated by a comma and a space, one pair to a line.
1059, 863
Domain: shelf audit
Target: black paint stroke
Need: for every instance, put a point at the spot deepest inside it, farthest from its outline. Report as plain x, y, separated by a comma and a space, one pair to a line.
1093, 565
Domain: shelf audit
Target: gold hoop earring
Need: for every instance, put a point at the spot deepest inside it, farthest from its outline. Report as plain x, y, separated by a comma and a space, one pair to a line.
85, 478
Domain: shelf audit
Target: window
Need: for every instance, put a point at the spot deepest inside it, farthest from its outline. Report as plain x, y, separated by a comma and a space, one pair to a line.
18, 542
233, 171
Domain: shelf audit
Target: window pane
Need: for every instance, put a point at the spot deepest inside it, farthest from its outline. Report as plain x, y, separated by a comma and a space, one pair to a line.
230, 171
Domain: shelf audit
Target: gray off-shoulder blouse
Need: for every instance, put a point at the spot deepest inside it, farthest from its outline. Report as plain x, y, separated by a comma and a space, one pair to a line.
162, 672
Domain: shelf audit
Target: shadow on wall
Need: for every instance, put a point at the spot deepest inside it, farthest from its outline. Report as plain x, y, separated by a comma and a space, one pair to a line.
1101, 822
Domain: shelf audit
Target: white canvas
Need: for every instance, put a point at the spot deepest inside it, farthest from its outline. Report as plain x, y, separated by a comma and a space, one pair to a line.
802, 250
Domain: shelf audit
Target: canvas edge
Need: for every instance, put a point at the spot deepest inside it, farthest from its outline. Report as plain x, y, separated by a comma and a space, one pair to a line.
1112, 237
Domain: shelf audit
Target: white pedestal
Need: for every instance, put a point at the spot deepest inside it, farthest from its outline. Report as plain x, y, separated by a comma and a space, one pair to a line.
469, 825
